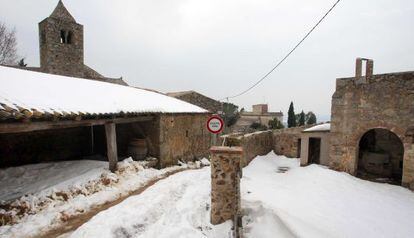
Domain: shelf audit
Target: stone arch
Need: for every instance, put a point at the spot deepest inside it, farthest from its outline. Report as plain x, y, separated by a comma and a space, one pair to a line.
352, 141
379, 155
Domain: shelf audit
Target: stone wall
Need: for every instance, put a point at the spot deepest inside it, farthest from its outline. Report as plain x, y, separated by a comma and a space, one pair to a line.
225, 183
183, 137
198, 99
379, 101
287, 141
253, 144
283, 142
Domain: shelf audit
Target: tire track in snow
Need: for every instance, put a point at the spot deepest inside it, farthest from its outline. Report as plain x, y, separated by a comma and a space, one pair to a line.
174, 207
76, 221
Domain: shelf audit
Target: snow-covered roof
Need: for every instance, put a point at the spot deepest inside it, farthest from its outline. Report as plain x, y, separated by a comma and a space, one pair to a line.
34, 93
321, 127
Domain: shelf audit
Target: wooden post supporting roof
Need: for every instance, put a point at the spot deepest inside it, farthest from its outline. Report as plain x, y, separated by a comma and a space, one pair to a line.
112, 152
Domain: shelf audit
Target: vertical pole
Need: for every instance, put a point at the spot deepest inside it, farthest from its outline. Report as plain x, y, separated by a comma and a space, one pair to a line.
92, 142
214, 140
112, 152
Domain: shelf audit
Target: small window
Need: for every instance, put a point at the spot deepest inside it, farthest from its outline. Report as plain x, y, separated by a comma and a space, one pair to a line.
69, 38
186, 133
62, 37
65, 37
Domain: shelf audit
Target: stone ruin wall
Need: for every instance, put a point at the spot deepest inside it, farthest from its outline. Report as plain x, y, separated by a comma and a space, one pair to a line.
377, 101
282, 142
286, 141
202, 101
253, 144
183, 137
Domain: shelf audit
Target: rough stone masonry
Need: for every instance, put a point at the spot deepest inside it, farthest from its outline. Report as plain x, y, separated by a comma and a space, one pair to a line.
362, 103
225, 183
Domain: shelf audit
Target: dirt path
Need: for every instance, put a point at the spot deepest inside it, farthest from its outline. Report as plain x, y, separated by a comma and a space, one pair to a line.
76, 221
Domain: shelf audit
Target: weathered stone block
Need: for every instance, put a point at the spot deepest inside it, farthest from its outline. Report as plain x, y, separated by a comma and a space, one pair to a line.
225, 182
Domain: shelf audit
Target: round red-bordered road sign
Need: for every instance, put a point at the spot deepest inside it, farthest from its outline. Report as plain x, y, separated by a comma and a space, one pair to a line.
215, 124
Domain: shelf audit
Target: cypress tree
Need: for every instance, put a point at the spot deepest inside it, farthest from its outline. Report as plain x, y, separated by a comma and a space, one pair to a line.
302, 118
291, 116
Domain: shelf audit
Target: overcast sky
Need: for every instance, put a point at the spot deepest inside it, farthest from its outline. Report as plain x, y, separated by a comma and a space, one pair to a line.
220, 47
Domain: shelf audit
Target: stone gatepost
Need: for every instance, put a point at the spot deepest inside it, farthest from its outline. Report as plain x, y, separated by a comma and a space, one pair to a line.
225, 183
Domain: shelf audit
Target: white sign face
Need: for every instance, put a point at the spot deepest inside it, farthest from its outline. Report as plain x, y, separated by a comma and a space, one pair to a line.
215, 125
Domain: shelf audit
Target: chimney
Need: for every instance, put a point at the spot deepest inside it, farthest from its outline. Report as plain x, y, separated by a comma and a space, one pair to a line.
369, 67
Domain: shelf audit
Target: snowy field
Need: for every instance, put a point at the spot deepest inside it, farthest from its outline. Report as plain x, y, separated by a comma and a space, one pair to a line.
279, 199
54, 192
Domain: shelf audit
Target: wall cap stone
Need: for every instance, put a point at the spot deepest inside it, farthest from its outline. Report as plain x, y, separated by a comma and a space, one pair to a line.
226, 149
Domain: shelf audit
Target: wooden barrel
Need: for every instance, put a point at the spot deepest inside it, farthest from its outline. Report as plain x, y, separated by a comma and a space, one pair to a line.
138, 149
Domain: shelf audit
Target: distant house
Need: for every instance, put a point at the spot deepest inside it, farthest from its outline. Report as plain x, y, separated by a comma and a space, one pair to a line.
198, 99
259, 114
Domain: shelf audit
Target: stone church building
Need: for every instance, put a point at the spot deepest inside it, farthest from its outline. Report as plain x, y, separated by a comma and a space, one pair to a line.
61, 45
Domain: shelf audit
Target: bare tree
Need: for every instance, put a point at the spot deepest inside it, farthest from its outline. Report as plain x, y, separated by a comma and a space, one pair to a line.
8, 45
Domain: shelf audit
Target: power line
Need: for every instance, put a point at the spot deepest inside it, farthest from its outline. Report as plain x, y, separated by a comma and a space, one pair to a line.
288, 54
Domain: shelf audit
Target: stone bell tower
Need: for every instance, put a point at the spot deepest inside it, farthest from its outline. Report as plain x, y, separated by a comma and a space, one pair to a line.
61, 44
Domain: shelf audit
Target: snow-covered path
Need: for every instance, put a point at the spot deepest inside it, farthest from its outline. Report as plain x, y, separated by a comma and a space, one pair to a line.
63, 194
279, 199
177, 206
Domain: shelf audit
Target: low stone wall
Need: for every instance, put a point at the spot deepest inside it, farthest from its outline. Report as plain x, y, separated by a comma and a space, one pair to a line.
283, 142
287, 141
253, 144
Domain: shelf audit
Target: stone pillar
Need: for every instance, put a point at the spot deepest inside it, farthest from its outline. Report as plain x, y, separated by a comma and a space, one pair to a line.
225, 183
369, 68
358, 68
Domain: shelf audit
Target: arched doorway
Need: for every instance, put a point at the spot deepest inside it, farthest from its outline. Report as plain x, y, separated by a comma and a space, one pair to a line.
380, 156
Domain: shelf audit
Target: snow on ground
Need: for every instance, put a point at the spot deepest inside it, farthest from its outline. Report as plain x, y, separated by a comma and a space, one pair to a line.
58, 195
29, 179
178, 206
279, 199
314, 201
